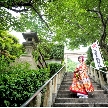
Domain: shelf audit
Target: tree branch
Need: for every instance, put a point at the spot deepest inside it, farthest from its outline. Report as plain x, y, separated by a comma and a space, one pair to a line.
22, 4
93, 17
98, 12
106, 21
14, 4
99, 5
40, 17
15, 10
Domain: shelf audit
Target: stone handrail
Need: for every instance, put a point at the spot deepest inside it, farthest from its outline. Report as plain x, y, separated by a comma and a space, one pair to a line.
99, 76
50, 88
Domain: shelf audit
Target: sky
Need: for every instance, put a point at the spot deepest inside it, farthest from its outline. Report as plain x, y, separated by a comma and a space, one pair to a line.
19, 36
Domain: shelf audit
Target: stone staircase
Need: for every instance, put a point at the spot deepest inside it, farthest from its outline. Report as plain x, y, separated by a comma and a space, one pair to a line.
65, 98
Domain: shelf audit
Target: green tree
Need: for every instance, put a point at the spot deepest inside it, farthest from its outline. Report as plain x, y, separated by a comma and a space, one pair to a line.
9, 48
74, 22
89, 56
81, 22
71, 65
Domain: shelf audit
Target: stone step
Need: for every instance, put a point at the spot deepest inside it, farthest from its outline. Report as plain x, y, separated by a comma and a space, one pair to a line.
65, 98
68, 73
81, 100
66, 87
80, 105
69, 83
90, 95
69, 92
70, 80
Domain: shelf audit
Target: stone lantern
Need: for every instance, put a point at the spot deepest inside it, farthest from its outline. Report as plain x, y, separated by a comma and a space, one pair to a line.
30, 44
31, 40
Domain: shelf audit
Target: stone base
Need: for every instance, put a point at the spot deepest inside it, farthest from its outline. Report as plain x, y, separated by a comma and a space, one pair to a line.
29, 59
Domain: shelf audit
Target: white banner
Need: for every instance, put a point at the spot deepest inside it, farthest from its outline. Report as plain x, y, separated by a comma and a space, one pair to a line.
97, 56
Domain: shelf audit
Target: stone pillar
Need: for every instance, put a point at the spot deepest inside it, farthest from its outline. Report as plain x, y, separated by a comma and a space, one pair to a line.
48, 95
96, 75
102, 82
38, 100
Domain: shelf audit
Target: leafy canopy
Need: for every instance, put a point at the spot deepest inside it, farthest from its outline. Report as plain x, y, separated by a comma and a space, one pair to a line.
74, 22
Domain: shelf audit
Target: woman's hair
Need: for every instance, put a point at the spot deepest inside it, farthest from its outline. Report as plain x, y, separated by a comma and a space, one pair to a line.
81, 57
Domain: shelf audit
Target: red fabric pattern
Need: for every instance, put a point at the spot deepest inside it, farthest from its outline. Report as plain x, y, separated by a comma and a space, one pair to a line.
81, 82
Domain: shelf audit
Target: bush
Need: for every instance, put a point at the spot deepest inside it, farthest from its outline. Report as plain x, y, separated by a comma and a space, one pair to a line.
93, 64
19, 83
57, 52
71, 65
54, 67
106, 63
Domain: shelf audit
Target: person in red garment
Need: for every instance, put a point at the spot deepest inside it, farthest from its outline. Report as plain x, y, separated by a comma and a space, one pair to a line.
81, 83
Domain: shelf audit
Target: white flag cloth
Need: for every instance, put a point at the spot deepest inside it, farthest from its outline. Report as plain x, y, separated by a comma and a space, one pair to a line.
97, 56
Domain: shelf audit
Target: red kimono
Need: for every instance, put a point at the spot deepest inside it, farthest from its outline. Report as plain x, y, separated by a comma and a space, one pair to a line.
81, 82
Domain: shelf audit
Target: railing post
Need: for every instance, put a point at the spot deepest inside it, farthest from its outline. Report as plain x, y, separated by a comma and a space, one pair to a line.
58, 80
31, 103
102, 82
91, 71
48, 95
38, 100
55, 84
54, 89
96, 75
88, 70
107, 77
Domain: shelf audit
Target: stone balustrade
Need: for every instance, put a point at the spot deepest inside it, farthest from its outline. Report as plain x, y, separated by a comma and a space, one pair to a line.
45, 96
100, 77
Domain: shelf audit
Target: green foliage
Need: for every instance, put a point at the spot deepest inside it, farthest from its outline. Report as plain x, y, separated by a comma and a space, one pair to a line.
89, 56
9, 44
9, 49
104, 53
54, 67
57, 52
106, 63
45, 47
18, 83
71, 65
9, 21
75, 22
49, 50
92, 64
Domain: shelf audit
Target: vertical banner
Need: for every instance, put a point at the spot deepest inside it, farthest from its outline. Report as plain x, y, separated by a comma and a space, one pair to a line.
97, 56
